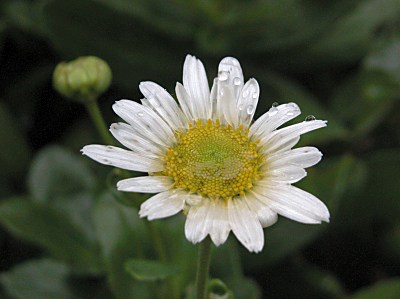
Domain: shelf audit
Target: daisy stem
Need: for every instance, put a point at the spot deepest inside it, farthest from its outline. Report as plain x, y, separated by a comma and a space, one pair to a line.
203, 267
162, 254
93, 109
157, 240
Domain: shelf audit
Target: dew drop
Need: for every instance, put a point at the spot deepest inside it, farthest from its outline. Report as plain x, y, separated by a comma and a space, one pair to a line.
140, 114
255, 95
250, 109
237, 81
272, 111
221, 92
275, 104
245, 93
290, 113
240, 107
223, 76
310, 118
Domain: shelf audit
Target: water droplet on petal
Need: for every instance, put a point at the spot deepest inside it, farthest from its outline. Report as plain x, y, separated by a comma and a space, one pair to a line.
250, 109
272, 111
290, 113
221, 92
223, 76
240, 107
140, 114
310, 118
275, 104
245, 93
237, 81
255, 95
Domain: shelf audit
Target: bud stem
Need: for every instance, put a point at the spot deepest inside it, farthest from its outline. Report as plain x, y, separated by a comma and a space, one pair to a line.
203, 267
97, 118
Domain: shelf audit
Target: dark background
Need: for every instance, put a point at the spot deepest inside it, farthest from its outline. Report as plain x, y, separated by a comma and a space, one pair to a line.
64, 231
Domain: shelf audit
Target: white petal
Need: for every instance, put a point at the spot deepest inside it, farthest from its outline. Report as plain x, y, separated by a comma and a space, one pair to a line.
194, 200
230, 67
220, 227
146, 184
118, 157
164, 104
284, 138
184, 100
303, 157
245, 225
275, 117
145, 119
229, 85
196, 84
211, 217
198, 223
293, 203
286, 174
163, 204
247, 101
214, 100
134, 140
265, 215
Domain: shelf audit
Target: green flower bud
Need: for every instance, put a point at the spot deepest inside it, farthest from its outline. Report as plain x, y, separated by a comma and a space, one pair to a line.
82, 79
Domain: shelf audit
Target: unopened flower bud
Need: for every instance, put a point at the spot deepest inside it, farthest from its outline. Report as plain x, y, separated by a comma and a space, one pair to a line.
84, 78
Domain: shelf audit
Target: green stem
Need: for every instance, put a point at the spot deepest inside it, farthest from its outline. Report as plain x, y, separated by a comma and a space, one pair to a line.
203, 267
157, 241
162, 254
98, 120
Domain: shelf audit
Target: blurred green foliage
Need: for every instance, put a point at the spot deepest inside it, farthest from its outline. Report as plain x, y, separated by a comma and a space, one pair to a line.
65, 231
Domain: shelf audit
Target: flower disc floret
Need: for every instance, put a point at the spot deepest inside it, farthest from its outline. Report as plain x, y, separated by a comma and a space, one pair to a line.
213, 160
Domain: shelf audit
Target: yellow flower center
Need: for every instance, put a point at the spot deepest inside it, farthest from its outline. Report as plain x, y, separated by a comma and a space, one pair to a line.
213, 160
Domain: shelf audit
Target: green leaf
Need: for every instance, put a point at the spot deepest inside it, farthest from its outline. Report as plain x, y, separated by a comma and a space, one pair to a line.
55, 172
15, 153
150, 270
50, 229
384, 57
37, 279
261, 26
218, 290
362, 104
171, 18
350, 37
24, 15
122, 236
388, 289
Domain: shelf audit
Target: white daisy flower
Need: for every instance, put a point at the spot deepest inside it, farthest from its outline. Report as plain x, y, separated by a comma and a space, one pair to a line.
204, 156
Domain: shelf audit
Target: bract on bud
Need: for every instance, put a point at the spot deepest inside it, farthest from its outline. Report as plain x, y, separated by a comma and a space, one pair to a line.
82, 79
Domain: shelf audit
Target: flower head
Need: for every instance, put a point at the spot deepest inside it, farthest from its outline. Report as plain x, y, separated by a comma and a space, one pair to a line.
205, 156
